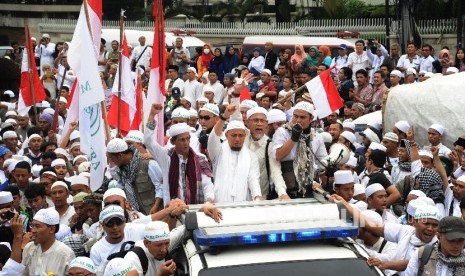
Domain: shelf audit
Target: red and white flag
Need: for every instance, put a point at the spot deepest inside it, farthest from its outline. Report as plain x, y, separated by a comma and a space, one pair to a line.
135, 125
31, 85
127, 109
83, 59
156, 89
324, 94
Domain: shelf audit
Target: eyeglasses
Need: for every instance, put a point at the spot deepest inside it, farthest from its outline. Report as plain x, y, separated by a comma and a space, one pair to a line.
116, 202
114, 222
206, 118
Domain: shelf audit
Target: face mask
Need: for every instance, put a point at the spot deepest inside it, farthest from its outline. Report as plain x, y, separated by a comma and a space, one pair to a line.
206, 51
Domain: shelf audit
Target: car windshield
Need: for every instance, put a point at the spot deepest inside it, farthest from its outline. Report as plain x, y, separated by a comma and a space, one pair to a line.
346, 267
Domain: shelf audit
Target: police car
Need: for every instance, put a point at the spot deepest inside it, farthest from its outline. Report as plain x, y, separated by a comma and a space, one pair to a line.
300, 237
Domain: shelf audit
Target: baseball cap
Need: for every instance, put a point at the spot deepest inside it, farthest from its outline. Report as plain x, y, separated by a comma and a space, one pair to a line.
452, 228
343, 47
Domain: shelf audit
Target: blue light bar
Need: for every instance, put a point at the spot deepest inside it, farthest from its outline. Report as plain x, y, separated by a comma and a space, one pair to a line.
203, 239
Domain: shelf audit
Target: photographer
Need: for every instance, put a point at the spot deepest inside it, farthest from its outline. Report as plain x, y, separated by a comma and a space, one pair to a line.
46, 50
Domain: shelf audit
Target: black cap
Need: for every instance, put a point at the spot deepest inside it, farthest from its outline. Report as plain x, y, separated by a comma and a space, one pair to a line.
173, 67
452, 228
176, 93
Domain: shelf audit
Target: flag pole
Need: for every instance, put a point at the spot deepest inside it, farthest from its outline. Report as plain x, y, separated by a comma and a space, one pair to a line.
141, 99
120, 69
29, 72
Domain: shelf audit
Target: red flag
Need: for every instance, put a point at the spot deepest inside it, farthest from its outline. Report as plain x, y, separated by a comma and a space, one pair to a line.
29, 74
156, 89
138, 115
245, 94
324, 94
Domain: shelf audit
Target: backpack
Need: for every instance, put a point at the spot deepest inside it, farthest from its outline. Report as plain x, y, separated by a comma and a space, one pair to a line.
424, 253
129, 246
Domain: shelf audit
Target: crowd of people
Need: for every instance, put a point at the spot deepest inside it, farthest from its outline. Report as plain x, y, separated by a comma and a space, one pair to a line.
237, 128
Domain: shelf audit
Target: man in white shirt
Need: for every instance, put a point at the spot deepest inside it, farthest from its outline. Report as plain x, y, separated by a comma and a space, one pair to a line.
435, 134
454, 194
173, 80
60, 194
45, 50
341, 59
235, 167
376, 200
218, 88
141, 54
192, 87
426, 60
377, 59
359, 59
409, 60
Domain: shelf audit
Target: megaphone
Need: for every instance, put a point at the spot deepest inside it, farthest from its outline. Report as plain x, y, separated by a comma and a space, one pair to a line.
338, 154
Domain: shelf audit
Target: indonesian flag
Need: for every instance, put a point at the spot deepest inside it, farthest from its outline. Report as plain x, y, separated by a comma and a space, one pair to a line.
324, 94
135, 125
31, 84
128, 95
156, 89
88, 93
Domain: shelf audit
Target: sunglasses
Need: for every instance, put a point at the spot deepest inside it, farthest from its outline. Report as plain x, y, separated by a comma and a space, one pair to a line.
116, 202
114, 222
206, 118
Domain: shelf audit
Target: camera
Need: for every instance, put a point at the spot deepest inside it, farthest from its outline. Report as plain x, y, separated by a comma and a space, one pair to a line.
8, 215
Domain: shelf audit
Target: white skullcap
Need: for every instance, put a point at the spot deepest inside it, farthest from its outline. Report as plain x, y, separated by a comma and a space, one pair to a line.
63, 100
411, 71
5, 197
343, 177
259, 95
36, 170
452, 70
75, 144
187, 98
208, 88
377, 146
375, 124
49, 110
9, 134
45, 36
248, 104
413, 205
34, 136
282, 93
193, 113
48, 216
358, 189
7, 163
84, 167
118, 267
305, 106
157, 231
11, 113
349, 136
33, 39
428, 212
177, 129
370, 135
235, 125
212, 108
327, 138
391, 136
117, 145
61, 151
50, 173
267, 71
180, 112
205, 75
75, 159
372, 216
275, 115
396, 73
403, 126
422, 72
85, 174
439, 128
9, 93
111, 211
461, 179
79, 180
373, 188
429, 201
192, 69
114, 191
348, 124
10, 121
352, 162
58, 162
74, 135
202, 100
256, 110
113, 184
417, 193
84, 263
135, 136
45, 104
426, 153
59, 184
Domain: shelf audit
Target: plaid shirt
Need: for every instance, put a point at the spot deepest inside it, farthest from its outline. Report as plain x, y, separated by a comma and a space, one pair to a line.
76, 243
364, 92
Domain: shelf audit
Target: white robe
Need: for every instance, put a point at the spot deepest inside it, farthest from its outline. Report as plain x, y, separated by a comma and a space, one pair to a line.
55, 259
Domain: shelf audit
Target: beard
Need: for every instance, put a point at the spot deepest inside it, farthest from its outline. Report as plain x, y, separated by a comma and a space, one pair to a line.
236, 148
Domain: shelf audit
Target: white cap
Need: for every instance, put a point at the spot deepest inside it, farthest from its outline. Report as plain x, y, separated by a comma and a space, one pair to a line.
205, 75
11, 94
327, 138
248, 104
63, 100
113, 184
50, 173
9, 134
212, 108
373, 188
79, 180
417, 193
193, 113
85, 173
5, 197
256, 110
114, 191
177, 129
202, 100
428, 212
84, 167
267, 71
208, 88
461, 179
342, 177
391, 136
396, 73
111, 211
413, 205
45, 36
58, 162
44, 104
118, 267
157, 231
117, 145
61, 151
372, 216
10, 121
403, 126
74, 135
352, 162
34, 136
358, 189
12, 164
411, 71
235, 125
48, 216
426, 153
305, 106
75, 144
429, 201
192, 69
348, 124
11, 112
135, 136
259, 95
439, 128
59, 184
36, 170
375, 124
84, 263
75, 159
452, 70
49, 110
371, 135
349, 136
180, 112
275, 115
377, 146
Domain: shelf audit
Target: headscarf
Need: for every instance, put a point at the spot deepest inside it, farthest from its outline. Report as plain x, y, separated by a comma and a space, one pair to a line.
47, 117
300, 57
218, 59
405, 166
324, 53
313, 61
3, 151
445, 60
206, 58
